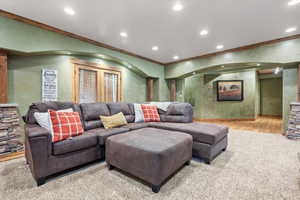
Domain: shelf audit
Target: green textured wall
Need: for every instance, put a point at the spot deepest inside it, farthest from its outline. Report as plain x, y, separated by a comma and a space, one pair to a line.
271, 96
18, 36
24, 72
25, 79
201, 91
290, 90
180, 85
284, 54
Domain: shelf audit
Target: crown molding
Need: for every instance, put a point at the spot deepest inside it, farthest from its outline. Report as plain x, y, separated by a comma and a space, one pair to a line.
25, 20
241, 48
4, 13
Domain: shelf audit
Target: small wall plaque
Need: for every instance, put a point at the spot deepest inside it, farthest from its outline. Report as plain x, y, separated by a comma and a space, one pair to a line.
49, 85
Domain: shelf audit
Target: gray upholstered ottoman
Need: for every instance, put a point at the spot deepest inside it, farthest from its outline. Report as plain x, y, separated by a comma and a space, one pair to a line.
209, 139
150, 154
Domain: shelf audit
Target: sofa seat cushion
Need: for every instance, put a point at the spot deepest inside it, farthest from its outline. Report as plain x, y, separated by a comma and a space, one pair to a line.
74, 144
103, 133
201, 132
135, 126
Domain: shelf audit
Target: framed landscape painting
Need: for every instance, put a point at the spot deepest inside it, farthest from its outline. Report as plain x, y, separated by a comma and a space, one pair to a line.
231, 90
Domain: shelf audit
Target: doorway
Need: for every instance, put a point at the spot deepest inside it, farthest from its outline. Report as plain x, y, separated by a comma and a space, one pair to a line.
271, 97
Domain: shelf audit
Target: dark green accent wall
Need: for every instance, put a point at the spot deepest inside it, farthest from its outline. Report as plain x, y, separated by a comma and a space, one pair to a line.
271, 96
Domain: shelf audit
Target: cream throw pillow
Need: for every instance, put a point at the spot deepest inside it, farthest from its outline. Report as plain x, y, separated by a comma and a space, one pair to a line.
139, 114
113, 121
43, 119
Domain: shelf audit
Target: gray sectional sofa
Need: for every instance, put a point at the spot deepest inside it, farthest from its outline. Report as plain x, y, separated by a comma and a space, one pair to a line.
46, 158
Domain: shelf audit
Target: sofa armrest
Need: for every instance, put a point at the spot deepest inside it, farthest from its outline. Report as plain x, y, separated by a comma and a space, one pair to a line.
179, 113
34, 131
38, 149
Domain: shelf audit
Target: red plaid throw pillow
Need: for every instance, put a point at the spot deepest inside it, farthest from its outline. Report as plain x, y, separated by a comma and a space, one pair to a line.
65, 125
150, 113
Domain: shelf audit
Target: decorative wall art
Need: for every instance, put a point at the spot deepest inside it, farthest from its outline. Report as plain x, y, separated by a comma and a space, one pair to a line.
230, 90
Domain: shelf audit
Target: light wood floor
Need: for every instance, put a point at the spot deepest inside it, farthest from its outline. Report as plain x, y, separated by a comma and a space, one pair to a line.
11, 156
262, 124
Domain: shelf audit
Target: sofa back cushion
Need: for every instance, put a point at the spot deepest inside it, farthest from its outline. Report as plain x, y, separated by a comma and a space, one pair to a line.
45, 106
126, 108
179, 113
177, 109
91, 114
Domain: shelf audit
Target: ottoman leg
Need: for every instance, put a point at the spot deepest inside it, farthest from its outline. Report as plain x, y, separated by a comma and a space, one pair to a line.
110, 167
188, 163
207, 161
40, 181
224, 149
155, 188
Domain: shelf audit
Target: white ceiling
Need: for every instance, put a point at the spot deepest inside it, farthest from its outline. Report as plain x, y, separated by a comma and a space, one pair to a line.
232, 23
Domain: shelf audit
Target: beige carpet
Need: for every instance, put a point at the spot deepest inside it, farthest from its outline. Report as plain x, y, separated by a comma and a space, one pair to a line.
256, 166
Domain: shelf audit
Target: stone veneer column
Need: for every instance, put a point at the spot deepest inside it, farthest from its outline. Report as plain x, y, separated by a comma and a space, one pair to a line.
293, 129
299, 83
11, 132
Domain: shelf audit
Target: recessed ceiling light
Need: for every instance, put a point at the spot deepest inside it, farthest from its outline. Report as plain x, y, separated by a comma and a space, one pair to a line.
220, 46
258, 64
194, 73
129, 67
155, 48
175, 57
177, 7
292, 29
293, 2
222, 66
69, 11
204, 32
123, 34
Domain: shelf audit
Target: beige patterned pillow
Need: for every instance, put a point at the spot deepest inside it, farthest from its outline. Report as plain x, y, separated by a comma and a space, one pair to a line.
113, 121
